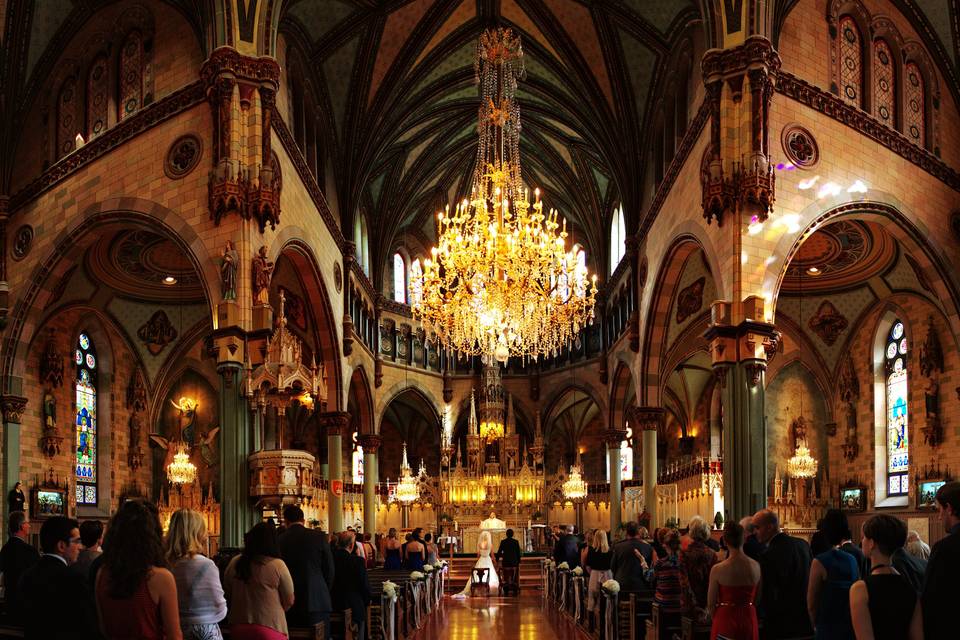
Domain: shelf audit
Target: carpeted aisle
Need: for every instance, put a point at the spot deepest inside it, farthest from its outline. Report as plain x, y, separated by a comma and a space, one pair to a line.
482, 619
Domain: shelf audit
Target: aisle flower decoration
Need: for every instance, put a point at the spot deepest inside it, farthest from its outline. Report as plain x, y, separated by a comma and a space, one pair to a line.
390, 589
611, 586
416, 575
563, 566
578, 571
427, 568
438, 564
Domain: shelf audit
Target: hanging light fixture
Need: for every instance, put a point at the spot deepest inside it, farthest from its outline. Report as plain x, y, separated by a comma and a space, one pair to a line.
181, 471
407, 490
574, 487
802, 464
500, 281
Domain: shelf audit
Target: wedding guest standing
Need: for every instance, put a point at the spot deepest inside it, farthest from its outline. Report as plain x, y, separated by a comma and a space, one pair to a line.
942, 589
785, 569
259, 588
831, 575
732, 595
16, 556
199, 592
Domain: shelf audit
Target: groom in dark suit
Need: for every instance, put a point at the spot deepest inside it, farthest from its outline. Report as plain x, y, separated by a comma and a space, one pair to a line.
509, 554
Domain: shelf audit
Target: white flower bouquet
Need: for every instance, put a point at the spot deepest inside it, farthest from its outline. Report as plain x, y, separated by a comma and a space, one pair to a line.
438, 565
427, 568
611, 586
416, 575
390, 589
578, 571
563, 566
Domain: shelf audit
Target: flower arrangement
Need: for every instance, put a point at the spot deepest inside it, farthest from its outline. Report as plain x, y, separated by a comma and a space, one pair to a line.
390, 589
611, 586
578, 571
416, 575
427, 568
439, 564
563, 566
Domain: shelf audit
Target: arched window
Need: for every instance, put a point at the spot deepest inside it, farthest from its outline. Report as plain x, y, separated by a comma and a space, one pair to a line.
913, 117
98, 91
85, 358
851, 62
131, 75
618, 239
399, 278
884, 80
416, 282
68, 117
897, 413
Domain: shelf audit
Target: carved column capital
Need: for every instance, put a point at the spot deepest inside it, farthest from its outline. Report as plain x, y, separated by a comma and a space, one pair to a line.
613, 437
334, 423
647, 418
370, 442
13, 408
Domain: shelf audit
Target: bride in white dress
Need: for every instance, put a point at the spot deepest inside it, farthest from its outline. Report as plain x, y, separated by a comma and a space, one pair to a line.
484, 562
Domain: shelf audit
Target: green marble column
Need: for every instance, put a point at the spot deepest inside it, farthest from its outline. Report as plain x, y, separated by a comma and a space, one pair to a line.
236, 513
613, 438
335, 424
371, 476
647, 420
744, 439
13, 407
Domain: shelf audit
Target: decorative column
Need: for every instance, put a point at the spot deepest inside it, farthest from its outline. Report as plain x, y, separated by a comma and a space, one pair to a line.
13, 407
648, 420
236, 513
335, 424
740, 355
613, 438
371, 477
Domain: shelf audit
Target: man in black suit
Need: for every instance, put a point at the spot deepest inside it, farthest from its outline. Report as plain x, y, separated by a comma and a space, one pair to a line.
942, 589
751, 546
306, 553
509, 554
15, 558
351, 589
784, 572
50, 586
566, 549
625, 562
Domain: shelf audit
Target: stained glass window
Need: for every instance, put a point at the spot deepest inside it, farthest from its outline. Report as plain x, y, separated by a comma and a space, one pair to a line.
98, 88
416, 285
67, 121
399, 278
618, 238
884, 79
86, 420
898, 446
131, 75
913, 118
851, 62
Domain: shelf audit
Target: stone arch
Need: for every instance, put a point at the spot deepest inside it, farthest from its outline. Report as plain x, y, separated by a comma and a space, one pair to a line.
662, 295
359, 393
69, 245
908, 230
561, 440
325, 329
404, 387
619, 393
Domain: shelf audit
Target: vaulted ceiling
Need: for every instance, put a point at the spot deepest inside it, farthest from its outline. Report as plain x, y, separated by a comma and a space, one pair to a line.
399, 101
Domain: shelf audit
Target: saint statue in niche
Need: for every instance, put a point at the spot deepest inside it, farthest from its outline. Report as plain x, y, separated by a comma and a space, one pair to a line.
931, 393
262, 272
230, 259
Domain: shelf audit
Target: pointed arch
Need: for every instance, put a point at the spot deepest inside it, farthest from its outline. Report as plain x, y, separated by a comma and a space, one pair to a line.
360, 400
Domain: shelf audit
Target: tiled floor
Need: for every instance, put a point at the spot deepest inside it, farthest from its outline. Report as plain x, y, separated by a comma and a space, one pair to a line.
482, 619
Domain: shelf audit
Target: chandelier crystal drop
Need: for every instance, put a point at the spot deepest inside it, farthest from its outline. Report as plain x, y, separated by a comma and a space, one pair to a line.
181, 470
407, 490
500, 281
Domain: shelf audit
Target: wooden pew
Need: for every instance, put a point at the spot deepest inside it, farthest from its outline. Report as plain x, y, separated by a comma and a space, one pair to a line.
662, 626
692, 629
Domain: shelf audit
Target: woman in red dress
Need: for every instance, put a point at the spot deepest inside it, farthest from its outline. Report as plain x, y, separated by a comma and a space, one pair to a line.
732, 595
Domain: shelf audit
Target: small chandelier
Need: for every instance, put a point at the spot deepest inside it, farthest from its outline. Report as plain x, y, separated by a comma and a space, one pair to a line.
500, 281
574, 487
802, 464
181, 470
407, 490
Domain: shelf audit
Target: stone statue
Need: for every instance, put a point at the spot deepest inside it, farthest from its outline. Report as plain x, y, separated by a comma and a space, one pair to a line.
229, 261
49, 413
493, 522
262, 271
931, 393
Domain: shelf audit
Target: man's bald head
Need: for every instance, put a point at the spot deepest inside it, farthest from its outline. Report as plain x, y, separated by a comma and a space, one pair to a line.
766, 524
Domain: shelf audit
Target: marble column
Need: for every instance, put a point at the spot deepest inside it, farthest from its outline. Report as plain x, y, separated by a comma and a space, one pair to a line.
335, 424
613, 438
371, 477
648, 420
236, 513
13, 407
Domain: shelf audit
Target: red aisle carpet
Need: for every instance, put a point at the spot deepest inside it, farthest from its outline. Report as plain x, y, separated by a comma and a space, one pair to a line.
523, 618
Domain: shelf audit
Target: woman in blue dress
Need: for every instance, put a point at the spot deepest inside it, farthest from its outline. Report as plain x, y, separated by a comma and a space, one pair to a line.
392, 561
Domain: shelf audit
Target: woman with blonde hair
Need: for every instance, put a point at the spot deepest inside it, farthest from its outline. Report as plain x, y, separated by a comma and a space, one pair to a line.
598, 565
199, 592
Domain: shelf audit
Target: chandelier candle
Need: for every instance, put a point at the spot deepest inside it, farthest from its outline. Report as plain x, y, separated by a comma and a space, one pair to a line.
500, 281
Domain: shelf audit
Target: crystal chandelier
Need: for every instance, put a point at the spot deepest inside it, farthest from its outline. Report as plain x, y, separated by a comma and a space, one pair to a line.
407, 490
181, 470
574, 487
802, 464
491, 404
500, 281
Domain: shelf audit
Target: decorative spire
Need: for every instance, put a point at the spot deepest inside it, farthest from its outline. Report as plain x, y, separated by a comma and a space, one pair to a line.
511, 416
472, 426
